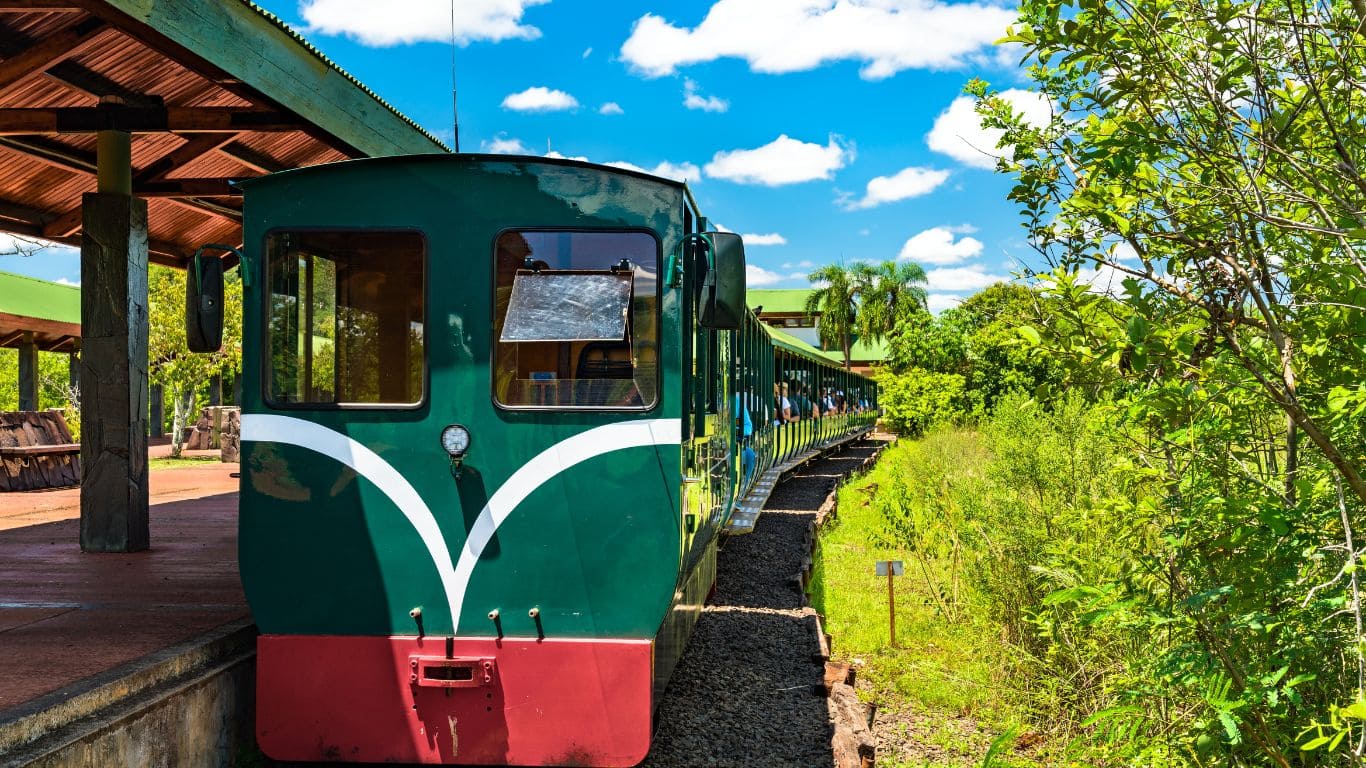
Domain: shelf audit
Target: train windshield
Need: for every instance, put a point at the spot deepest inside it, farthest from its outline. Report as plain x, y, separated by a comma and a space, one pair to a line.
345, 317
576, 321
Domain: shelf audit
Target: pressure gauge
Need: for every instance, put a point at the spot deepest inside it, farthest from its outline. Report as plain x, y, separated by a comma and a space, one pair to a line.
455, 439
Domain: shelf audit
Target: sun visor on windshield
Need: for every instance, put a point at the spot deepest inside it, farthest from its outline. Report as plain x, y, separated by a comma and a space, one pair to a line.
568, 306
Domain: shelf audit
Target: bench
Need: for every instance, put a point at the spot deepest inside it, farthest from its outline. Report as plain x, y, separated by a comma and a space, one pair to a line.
37, 451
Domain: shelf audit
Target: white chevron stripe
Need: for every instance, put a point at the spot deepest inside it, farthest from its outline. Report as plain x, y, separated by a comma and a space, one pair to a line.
547, 464
532, 475
270, 428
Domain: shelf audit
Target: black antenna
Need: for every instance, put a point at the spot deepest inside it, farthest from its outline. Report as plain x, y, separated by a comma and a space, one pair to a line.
455, 103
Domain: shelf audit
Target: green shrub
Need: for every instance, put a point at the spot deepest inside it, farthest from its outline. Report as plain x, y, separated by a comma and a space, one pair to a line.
917, 400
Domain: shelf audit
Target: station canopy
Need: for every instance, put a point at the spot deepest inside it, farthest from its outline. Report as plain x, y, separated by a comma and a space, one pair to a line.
210, 91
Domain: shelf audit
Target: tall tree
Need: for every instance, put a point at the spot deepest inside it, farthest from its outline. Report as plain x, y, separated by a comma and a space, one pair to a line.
1210, 157
888, 293
170, 363
835, 298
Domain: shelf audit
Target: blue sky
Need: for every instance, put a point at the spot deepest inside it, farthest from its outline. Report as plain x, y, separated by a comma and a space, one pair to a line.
780, 113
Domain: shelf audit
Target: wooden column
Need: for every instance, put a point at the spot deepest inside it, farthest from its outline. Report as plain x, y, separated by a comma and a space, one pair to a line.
73, 365
113, 371
158, 414
215, 390
28, 373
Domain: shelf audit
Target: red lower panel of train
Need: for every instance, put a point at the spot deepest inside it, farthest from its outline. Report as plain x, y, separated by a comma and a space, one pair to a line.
472, 701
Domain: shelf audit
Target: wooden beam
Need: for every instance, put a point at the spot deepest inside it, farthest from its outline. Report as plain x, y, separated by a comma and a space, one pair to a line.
193, 149
257, 161
210, 187
25, 122
208, 206
46, 6
59, 343
66, 225
53, 49
23, 213
73, 75
51, 152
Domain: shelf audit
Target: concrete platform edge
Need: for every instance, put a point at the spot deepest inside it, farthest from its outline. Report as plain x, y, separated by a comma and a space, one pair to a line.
64, 719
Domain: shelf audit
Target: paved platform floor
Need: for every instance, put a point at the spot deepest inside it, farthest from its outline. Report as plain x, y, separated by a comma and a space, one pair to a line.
66, 615
25, 508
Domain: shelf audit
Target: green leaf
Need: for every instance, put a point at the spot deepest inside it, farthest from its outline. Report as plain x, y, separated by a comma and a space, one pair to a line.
1313, 744
1029, 334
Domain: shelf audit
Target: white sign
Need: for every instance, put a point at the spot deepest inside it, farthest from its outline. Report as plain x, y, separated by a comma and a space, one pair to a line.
883, 565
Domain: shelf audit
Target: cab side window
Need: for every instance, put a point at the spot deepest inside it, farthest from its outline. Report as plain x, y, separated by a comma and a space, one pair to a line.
576, 322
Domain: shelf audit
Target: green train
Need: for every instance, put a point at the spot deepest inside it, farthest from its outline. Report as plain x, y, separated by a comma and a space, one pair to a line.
497, 412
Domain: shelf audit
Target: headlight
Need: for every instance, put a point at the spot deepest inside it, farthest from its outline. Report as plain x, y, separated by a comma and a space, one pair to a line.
455, 439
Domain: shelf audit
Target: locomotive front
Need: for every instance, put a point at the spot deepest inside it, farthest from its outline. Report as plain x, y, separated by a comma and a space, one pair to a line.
460, 515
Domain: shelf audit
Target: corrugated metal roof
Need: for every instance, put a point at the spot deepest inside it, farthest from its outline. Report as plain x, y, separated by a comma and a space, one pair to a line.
30, 297
784, 300
180, 54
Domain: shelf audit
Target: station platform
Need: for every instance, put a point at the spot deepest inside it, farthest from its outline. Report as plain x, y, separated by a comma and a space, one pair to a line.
81, 632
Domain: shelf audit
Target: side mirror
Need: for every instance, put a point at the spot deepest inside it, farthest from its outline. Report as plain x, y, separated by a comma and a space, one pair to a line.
721, 302
204, 303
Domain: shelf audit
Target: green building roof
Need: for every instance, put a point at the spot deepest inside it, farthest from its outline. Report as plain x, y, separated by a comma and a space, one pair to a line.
25, 296
785, 300
793, 344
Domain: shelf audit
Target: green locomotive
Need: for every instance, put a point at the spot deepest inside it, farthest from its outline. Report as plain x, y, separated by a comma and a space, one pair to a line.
498, 412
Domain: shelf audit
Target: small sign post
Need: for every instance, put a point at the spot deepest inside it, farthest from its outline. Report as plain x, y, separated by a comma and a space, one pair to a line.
890, 568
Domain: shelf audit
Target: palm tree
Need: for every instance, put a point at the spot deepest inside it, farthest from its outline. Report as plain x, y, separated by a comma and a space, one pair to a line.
887, 292
836, 300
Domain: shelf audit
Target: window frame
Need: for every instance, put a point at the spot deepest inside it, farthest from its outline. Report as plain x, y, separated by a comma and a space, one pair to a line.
265, 356
658, 320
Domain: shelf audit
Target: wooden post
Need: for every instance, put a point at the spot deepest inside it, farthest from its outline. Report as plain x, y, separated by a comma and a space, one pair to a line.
158, 413
113, 368
28, 373
891, 604
73, 365
215, 390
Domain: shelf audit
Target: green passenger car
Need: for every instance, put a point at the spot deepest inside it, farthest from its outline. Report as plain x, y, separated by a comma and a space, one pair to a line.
497, 412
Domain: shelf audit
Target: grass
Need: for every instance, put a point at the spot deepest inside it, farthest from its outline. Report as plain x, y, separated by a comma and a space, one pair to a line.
184, 461
943, 681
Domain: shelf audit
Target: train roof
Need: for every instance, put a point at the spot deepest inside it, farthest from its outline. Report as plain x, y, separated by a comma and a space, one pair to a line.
464, 157
793, 344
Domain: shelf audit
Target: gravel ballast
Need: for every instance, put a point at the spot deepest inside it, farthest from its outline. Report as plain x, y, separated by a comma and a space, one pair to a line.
748, 690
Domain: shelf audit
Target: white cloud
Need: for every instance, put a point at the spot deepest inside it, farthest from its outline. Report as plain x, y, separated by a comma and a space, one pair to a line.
756, 276
938, 302
1103, 279
907, 183
782, 161
958, 130
540, 99
804, 264
610, 108
694, 100
971, 278
937, 246
65, 281
888, 36
382, 24
553, 155
501, 145
772, 238
677, 171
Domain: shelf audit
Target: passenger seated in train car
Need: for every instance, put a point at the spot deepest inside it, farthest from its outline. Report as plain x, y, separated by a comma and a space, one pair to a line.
789, 413
575, 324
828, 404
745, 427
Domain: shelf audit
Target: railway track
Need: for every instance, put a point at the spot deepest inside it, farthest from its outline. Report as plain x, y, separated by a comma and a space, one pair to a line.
749, 691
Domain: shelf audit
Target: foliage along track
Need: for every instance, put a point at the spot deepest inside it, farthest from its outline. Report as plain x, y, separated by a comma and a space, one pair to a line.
750, 690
